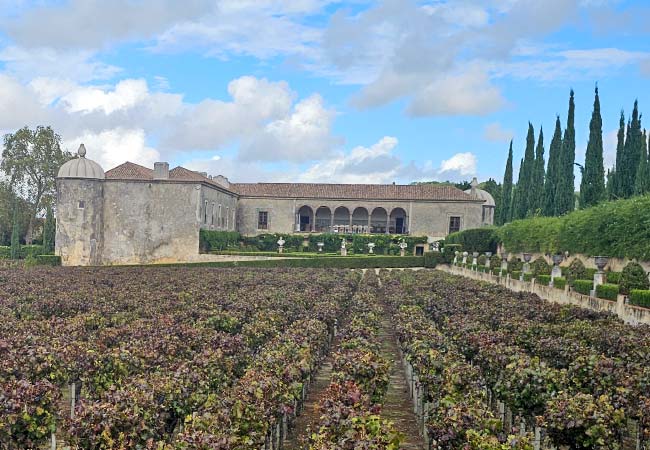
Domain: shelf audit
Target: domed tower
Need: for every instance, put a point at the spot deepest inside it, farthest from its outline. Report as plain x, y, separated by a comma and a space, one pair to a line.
487, 214
80, 211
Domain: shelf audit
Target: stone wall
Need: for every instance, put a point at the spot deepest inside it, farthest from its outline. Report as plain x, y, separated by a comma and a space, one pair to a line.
614, 264
630, 314
151, 222
216, 198
432, 218
281, 215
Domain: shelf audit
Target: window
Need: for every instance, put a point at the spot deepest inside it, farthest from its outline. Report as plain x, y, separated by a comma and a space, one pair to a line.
81, 204
212, 215
263, 220
227, 217
454, 224
205, 213
220, 219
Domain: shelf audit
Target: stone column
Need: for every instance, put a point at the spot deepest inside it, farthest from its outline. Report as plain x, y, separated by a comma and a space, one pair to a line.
351, 212
369, 221
331, 221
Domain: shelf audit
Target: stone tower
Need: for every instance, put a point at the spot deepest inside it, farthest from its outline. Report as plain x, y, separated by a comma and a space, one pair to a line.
80, 211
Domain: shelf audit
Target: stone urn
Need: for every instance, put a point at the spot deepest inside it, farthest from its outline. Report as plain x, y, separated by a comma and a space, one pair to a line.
488, 255
320, 246
371, 247
528, 257
599, 277
475, 259
344, 249
465, 255
504, 262
402, 247
556, 272
281, 243
456, 253
526, 268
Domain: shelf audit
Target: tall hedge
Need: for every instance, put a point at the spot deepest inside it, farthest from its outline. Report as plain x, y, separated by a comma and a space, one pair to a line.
475, 240
616, 229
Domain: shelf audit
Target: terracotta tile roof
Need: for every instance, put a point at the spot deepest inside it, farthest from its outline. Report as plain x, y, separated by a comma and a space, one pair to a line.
352, 191
130, 171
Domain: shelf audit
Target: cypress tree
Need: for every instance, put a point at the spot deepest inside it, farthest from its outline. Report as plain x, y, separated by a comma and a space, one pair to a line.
516, 194
538, 176
642, 178
631, 154
506, 193
614, 185
49, 230
525, 184
592, 186
564, 195
550, 185
610, 183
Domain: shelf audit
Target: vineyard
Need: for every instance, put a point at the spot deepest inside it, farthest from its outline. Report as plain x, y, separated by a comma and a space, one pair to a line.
198, 358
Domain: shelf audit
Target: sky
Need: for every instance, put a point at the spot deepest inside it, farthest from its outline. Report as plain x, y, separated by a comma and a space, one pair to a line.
320, 91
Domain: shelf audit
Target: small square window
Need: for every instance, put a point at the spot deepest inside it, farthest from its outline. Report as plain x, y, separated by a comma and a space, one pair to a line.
454, 224
81, 204
263, 220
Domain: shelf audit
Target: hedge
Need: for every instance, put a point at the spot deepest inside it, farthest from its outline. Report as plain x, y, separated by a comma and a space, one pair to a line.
349, 262
528, 276
25, 251
583, 286
544, 280
211, 240
617, 229
613, 277
475, 240
633, 277
607, 291
559, 282
640, 297
516, 274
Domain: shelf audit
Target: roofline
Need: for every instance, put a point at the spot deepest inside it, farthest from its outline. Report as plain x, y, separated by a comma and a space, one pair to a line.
356, 199
172, 181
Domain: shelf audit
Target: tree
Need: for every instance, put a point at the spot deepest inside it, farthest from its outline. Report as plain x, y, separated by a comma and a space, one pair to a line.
615, 188
15, 234
642, 178
522, 206
503, 213
592, 186
564, 194
32, 158
537, 185
49, 231
550, 185
631, 154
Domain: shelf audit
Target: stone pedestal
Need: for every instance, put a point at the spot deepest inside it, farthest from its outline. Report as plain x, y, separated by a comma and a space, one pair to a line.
556, 272
599, 278
402, 252
526, 268
344, 251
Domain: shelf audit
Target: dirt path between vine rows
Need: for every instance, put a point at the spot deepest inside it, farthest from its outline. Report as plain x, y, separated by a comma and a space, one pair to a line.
398, 407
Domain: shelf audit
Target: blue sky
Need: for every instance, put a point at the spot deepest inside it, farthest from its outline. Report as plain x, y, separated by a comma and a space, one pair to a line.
318, 90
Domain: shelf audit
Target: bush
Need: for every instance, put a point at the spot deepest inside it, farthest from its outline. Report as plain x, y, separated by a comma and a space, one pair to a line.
559, 282
576, 271
614, 277
538, 235
583, 286
212, 240
516, 274
633, 277
544, 280
48, 260
495, 261
540, 267
607, 291
528, 276
515, 265
432, 259
640, 297
24, 252
475, 240
481, 260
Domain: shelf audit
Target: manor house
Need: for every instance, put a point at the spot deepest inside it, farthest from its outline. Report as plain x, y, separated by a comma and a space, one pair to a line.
133, 214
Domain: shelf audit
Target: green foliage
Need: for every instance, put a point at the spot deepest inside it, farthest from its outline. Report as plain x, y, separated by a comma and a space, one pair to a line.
504, 213
614, 185
528, 276
540, 267
475, 240
550, 184
48, 260
576, 271
631, 157
633, 277
583, 286
515, 274
49, 232
592, 186
524, 193
613, 277
348, 262
15, 236
559, 282
607, 291
564, 194
535, 235
432, 259
23, 251
543, 279
212, 240
537, 183
640, 297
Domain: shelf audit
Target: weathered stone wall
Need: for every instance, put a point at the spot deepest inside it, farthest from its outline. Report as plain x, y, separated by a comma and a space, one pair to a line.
79, 230
215, 198
151, 222
432, 218
423, 218
614, 264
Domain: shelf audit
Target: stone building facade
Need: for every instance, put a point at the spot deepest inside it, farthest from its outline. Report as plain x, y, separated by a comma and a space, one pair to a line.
134, 215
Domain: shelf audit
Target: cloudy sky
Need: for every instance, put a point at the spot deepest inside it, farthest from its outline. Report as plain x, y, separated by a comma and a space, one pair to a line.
318, 90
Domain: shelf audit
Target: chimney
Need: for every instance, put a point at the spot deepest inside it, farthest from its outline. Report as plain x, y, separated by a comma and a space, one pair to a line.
474, 185
161, 171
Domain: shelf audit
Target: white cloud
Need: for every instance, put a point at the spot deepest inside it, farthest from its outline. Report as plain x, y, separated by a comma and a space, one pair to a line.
463, 163
302, 136
19, 105
494, 132
111, 148
127, 94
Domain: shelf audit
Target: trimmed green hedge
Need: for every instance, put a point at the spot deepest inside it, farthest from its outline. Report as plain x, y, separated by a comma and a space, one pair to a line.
559, 282
544, 280
211, 240
616, 229
25, 251
583, 286
432, 259
614, 277
633, 277
475, 240
528, 276
640, 297
516, 274
349, 262
607, 291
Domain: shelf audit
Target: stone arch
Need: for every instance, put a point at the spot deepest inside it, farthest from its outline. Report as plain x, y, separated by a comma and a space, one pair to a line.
305, 219
323, 219
379, 220
360, 220
398, 221
342, 216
